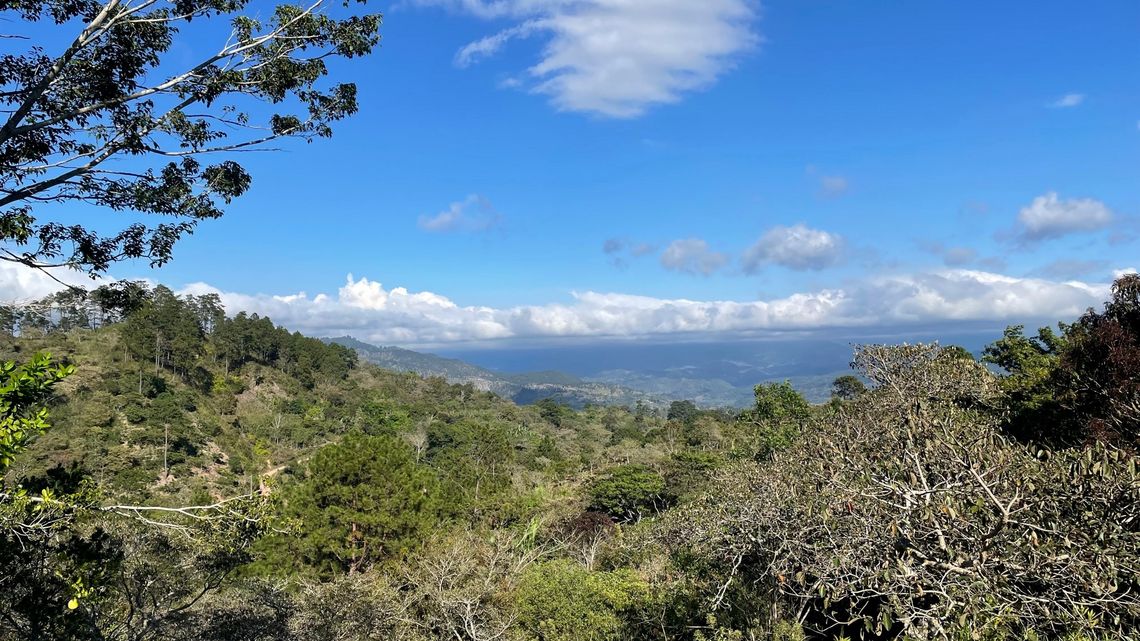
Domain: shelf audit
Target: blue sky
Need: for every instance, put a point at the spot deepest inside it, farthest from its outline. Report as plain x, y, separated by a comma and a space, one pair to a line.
515, 158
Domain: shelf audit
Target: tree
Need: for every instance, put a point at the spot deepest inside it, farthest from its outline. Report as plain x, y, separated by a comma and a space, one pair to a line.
628, 493
683, 411
363, 500
909, 514
1100, 369
847, 387
777, 418
114, 93
1032, 401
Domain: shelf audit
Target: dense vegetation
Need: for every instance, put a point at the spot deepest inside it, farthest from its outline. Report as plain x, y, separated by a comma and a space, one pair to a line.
174, 473
310, 496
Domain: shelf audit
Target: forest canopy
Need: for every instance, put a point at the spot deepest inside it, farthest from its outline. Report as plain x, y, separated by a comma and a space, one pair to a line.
933, 497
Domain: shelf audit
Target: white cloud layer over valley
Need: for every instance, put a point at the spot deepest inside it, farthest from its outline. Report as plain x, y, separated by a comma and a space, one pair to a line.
364, 308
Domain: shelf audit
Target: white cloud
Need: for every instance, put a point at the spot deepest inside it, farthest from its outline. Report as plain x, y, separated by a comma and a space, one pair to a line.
617, 58
1117, 273
692, 256
473, 214
20, 284
367, 310
798, 247
1050, 217
371, 312
490, 45
1068, 100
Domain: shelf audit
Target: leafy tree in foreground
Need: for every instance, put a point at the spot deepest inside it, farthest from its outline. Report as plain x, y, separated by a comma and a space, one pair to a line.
114, 93
1101, 368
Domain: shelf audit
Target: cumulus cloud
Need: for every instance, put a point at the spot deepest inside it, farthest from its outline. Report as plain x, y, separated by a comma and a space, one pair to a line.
1068, 100
472, 214
798, 247
366, 309
616, 58
1049, 216
20, 284
692, 256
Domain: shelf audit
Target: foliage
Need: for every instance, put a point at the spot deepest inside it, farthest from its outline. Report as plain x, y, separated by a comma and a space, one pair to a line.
363, 500
1080, 385
118, 92
1101, 368
628, 493
847, 387
910, 513
1030, 366
410, 509
560, 601
683, 411
24, 389
776, 419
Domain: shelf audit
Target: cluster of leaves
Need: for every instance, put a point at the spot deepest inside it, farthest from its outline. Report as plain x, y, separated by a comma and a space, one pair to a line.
24, 390
107, 95
1078, 385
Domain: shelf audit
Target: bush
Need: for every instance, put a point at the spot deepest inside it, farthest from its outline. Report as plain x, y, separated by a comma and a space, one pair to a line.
628, 493
562, 601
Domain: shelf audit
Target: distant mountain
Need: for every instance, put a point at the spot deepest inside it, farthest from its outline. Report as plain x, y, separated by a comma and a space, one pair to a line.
406, 360
709, 373
522, 388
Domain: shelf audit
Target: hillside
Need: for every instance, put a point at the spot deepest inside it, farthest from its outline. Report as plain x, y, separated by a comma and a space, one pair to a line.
212, 477
522, 388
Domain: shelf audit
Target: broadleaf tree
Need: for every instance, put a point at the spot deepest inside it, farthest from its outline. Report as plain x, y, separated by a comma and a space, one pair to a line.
96, 111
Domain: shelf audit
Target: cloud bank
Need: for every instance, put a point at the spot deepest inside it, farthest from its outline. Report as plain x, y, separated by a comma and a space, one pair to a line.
366, 309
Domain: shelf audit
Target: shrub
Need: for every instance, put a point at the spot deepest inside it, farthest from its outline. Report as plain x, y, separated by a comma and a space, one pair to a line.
562, 601
628, 493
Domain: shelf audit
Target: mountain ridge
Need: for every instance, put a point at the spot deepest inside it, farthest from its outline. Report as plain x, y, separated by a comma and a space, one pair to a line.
523, 388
